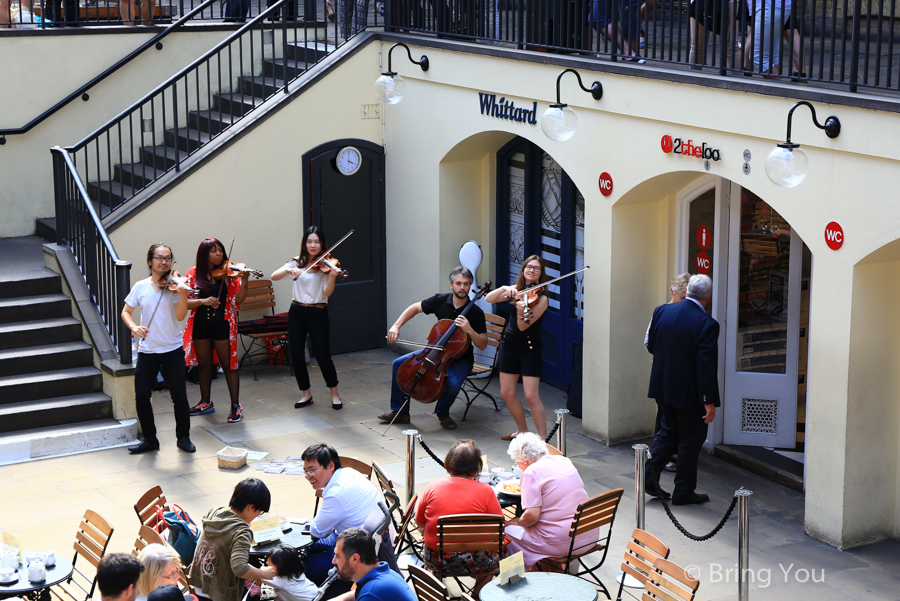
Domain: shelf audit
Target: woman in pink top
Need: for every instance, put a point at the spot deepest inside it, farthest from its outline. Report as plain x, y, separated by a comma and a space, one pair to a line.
551, 493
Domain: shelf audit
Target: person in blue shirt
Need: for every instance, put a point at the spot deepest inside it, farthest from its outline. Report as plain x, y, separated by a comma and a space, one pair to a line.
356, 561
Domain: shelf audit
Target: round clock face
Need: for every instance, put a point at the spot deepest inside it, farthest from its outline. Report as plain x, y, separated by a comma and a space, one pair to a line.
349, 160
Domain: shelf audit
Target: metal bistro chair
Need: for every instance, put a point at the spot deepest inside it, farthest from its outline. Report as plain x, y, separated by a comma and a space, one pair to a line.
348, 462
91, 541
145, 508
641, 552
387, 486
147, 536
409, 537
485, 365
670, 582
470, 532
594, 513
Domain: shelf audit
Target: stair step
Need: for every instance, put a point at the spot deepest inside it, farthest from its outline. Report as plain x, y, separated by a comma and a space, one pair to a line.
54, 412
162, 157
46, 228
260, 85
309, 52
31, 359
188, 139
109, 195
49, 384
44, 306
137, 175
210, 122
52, 441
30, 285
38, 332
283, 68
236, 104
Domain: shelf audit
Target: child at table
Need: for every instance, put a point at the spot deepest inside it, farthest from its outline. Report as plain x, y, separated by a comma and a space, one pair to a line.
290, 582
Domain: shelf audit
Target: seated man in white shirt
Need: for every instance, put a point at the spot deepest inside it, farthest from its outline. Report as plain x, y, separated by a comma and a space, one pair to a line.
348, 498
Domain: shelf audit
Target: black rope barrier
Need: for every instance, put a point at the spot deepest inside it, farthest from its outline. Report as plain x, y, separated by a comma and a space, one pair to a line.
695, 537
430, 452
552, 432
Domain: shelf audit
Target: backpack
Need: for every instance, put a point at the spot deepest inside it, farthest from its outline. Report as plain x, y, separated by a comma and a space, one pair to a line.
183, 532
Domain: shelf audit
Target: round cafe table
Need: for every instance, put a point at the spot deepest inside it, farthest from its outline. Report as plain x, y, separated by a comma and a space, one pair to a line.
22, 587
540, 585
293, 538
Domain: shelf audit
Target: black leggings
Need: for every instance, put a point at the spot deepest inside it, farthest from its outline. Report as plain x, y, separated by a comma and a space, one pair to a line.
313, 321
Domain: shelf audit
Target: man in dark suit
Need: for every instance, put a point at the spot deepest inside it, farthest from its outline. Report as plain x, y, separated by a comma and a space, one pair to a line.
684, 380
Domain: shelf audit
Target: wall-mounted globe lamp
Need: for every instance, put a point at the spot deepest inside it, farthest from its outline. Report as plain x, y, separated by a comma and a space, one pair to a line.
559, 121
787, 165
390, 87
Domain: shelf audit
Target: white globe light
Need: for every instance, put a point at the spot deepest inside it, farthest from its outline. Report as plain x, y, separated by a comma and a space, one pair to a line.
787, 167
390, 89
559, 123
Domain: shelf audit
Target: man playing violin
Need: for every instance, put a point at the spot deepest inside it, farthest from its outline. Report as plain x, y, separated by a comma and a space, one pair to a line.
442, 306
160, 348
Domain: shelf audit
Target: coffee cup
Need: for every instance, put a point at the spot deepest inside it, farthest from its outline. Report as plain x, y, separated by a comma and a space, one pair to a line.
33, 556
484, 477
7, 575
49, 558
517, 472
36, 571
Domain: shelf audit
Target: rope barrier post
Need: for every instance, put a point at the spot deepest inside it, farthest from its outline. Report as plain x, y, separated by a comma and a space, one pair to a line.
410, 463
743, 496
561, 433
640, 459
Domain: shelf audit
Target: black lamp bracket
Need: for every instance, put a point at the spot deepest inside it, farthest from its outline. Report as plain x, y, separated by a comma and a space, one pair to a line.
596, 89
832, 125
422, 62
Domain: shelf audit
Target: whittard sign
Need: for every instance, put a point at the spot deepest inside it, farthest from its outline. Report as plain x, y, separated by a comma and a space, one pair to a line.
503, 109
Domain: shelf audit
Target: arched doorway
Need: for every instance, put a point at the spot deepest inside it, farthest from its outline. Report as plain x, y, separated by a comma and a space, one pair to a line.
540, 211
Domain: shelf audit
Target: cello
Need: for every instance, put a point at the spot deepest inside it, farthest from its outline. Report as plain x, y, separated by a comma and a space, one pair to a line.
424, 375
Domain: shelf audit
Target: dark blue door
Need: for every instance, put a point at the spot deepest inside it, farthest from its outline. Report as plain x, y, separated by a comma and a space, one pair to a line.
540, 211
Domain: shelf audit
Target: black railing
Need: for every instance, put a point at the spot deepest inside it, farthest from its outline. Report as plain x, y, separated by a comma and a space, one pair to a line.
849, 43
202, 101
82, 92
79, 227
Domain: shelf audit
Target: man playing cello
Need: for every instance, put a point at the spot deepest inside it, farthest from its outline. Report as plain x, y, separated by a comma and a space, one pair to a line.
442, 306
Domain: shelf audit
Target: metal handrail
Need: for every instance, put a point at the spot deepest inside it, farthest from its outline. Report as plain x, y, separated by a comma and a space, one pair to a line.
82, 91
77, 234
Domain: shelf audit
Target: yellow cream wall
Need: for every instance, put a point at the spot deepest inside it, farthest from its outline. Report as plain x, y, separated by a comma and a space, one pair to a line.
629, 237
41, 70
252, 189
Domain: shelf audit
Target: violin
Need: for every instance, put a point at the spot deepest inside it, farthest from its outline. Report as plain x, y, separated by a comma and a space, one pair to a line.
327, 263
529, 295
424, 375
231, 269
173, 281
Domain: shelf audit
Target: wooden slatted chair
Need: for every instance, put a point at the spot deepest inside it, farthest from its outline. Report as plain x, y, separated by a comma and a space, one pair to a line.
483, 368
426, 586
551, 450
91, 541
147, 536
409, 537
640, 553
360, 466
260, 295
184, 580
145, 508
670, 582
468, 532
597, 512
386, 485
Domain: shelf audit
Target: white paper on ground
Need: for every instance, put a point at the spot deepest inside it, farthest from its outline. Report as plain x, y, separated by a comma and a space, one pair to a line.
256, 455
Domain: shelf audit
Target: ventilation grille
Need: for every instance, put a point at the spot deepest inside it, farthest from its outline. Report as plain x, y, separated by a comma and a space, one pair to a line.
549, 347
759, 416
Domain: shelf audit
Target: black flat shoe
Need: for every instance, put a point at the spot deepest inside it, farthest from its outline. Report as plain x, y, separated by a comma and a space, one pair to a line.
186, 445
655, 490
694, 499
143, 447
301, 403
339, 406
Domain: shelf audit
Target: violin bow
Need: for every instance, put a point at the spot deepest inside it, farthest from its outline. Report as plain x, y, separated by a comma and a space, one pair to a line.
548, 282
419, 344
325, 254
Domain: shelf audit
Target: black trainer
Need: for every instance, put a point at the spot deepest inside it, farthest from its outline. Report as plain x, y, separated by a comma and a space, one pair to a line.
186, 445
143, 447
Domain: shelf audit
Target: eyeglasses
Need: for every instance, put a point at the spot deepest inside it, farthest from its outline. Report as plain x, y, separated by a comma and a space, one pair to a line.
163, 259
172, 576
311, 471
532, 268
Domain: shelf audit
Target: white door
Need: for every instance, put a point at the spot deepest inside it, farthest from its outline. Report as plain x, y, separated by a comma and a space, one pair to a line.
762, 321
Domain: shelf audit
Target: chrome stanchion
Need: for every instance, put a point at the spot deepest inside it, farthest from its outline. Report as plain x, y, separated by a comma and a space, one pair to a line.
641, 451
743, 496
561, 433
410, 463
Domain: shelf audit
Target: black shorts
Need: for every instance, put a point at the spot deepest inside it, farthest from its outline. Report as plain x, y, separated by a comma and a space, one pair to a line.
523, 357
209, 326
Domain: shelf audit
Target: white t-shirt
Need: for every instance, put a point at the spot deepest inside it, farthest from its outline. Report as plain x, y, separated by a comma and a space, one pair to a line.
165, 332
293, 589
309, 288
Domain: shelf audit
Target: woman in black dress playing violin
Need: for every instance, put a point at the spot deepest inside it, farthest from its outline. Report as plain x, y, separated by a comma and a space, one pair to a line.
212, 325
521, 350
309, 314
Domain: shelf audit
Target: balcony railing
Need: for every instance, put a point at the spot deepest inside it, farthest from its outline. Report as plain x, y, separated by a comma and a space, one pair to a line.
845, 43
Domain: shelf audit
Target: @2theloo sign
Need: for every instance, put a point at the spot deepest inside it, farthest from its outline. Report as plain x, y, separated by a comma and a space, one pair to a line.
689, 148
